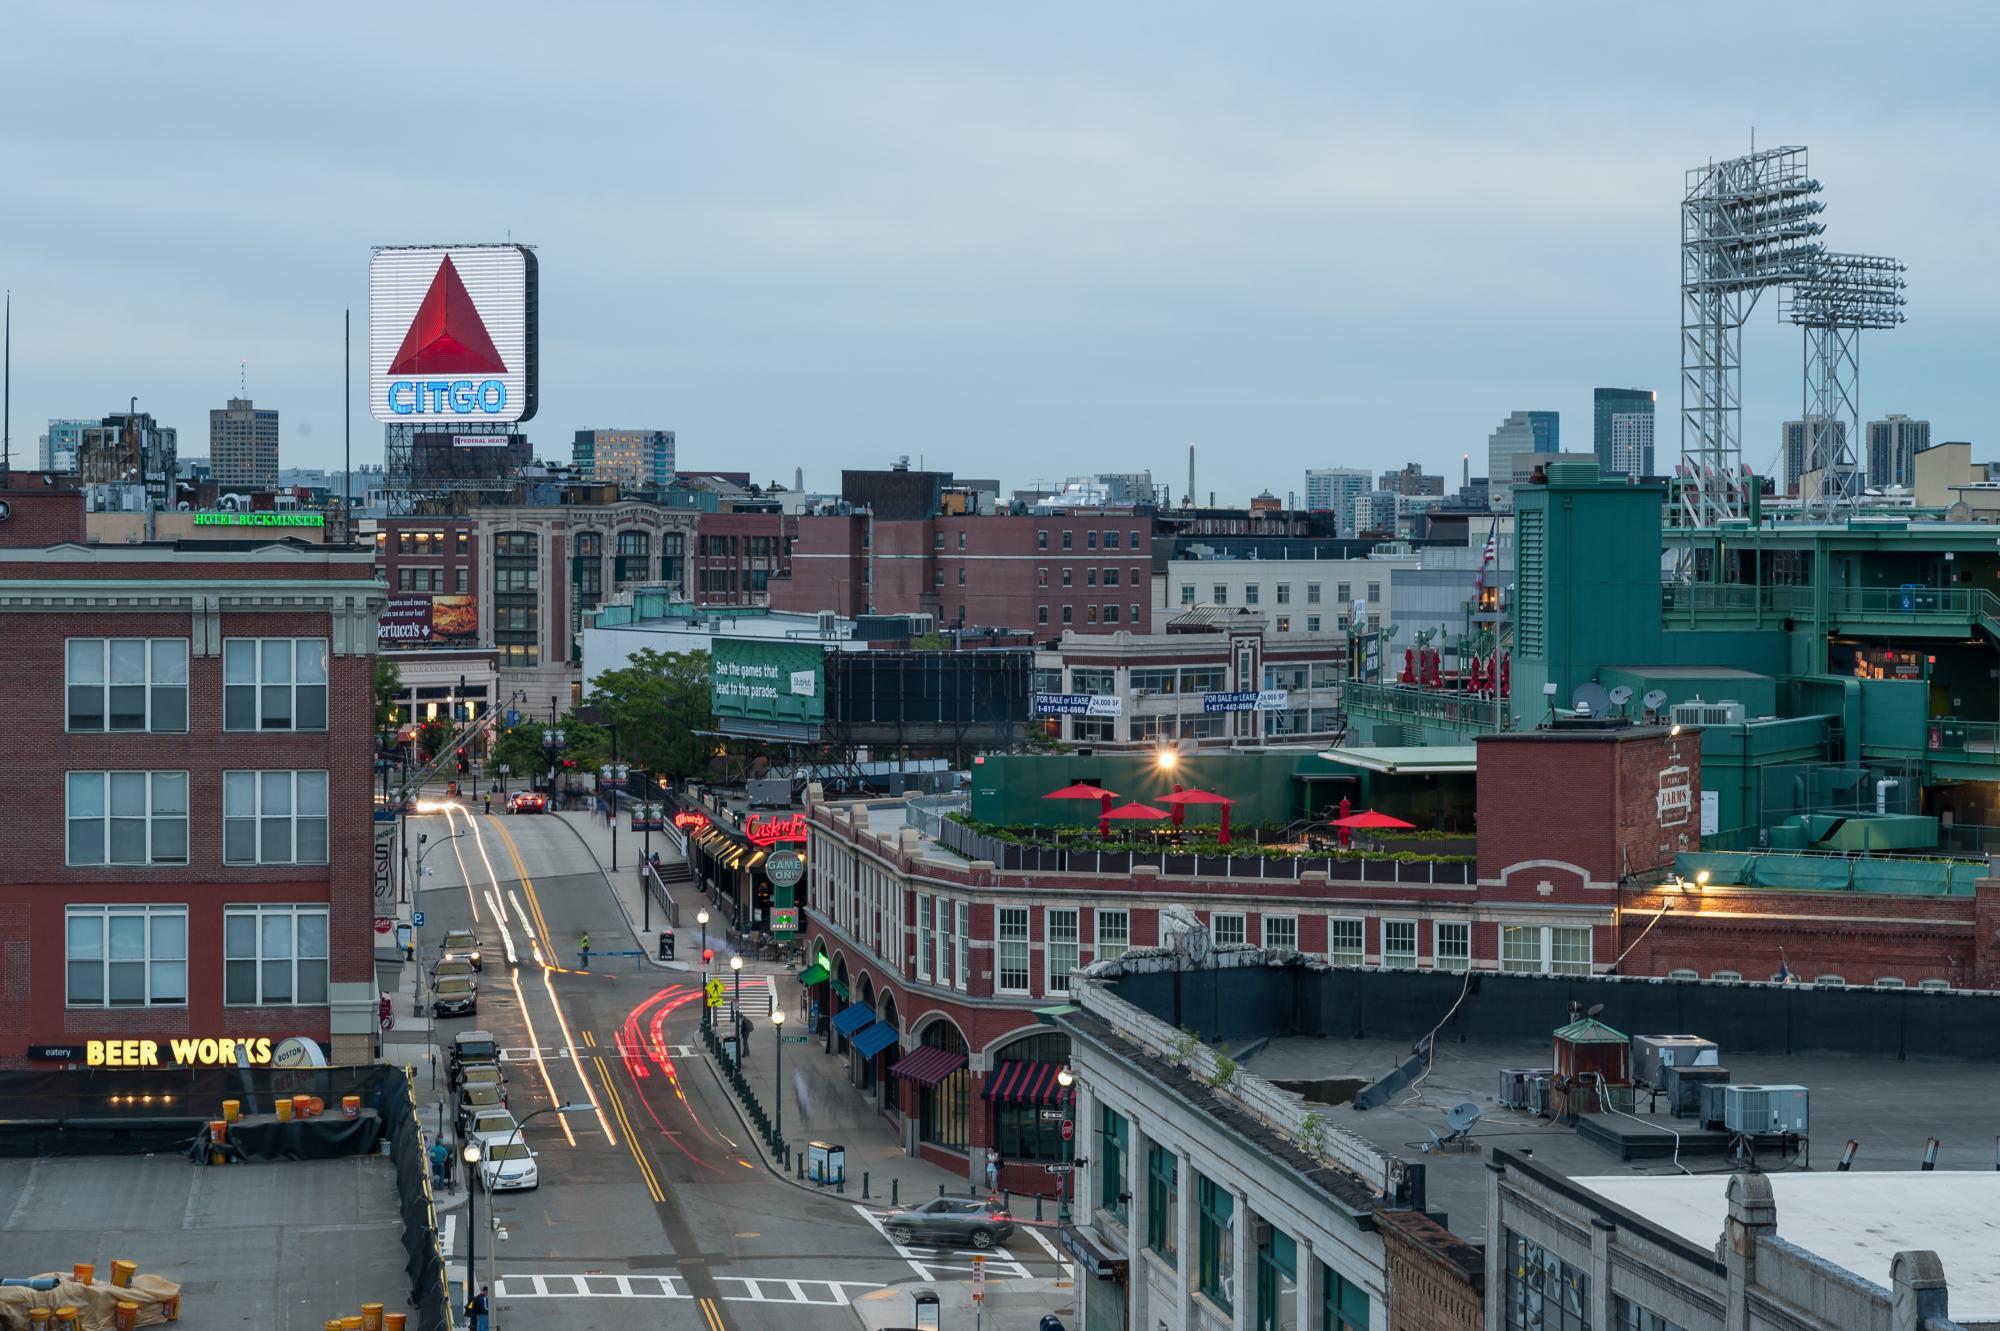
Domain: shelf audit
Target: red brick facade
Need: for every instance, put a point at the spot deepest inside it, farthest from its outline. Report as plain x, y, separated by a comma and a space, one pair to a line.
331, 596
1091, 572
1436, 1280
736, 555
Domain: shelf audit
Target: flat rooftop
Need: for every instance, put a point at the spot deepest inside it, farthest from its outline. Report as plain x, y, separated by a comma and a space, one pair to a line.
281, 1246
1890, 1107
1956, 1215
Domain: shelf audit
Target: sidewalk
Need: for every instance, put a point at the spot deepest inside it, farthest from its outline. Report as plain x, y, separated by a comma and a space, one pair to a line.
1015, 1304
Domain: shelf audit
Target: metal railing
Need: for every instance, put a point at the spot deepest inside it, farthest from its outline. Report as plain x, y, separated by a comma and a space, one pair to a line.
1016, 858
929, 813
1910, 601
1463, 709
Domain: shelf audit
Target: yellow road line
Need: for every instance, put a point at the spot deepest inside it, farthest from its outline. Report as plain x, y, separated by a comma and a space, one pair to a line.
589, 1040
712, 1314
653, 1188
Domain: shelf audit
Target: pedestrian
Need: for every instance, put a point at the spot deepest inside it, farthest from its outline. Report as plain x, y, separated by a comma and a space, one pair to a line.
441, 1163
585, 947
992, 1170
476, 1309
489, 801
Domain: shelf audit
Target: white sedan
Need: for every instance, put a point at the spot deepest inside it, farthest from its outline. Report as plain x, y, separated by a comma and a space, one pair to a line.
506, 1166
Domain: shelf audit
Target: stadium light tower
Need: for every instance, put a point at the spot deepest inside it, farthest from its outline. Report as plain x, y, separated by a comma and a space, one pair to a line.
1842, 295
1746, 224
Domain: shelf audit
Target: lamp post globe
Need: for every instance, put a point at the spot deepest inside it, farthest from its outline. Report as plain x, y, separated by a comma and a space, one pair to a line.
778, 1073
736, 999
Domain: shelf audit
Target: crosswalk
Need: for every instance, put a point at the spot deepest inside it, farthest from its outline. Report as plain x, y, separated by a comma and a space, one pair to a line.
759, 993
735, 1289
926, 1261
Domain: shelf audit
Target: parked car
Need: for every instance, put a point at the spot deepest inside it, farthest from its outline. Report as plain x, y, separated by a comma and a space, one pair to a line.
461, 945
528, 801
965, 1222
497, 1124
454, 996
507, 1165
455, 967
472, 1099
470, 1049
483, 1074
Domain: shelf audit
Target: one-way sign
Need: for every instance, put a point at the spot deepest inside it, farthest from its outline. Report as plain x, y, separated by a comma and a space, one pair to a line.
1052, 1115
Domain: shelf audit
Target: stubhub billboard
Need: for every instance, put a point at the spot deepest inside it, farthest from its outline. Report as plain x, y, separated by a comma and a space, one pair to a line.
452, 337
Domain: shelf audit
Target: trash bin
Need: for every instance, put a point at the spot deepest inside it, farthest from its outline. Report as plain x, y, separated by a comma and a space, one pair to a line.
666, 945
729, 1050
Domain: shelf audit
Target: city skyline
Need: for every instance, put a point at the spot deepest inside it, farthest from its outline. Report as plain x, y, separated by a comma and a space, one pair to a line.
974, 247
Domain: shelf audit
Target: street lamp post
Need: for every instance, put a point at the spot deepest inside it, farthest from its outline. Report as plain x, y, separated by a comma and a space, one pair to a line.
472, 1157
701, 918
511, 1139
778, 1086
736, 1002
1067, 1079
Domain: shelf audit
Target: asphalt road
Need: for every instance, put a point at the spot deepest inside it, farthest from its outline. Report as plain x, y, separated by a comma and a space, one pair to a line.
653, 1208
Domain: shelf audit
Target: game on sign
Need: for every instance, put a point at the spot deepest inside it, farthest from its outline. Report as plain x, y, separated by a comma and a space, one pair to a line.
714, 991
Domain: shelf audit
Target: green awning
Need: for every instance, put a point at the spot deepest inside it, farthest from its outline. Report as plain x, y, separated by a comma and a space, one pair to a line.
840, 987
813, 974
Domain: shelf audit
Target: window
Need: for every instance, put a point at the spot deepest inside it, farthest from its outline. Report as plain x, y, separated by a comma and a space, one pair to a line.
1732, 976
1251, 592
1629, 1316
1535, 950
1067, 540
944, 1109
1090, 577
1111, 540
1100, 682
1163, 1203
1520, 948
1452, 942
1226, 928
1343, 942
1090, 540
923, 937
1041, 540
1281, 932
1069, 614
1284, 623
274, 684
1543, 1292
1114, 933
1111, 577
1343, 592
1201, 679
1060, 950
1312, 623
1215, 1275
1113, 1144
1312, 593
1222, 593
1374, 591
1277, 1280
128, 684
274, 955
126, 956
1187, 593
964, 934
525, 543
1343, 1304
1890, 982
1683, 973
937, 540
1399, 944
128, 818
1284, 593
1111, 614
1569, 951
1148, 682
937, 578
961, 575
1041, 577
464, 576
1041, 614
1068, 576
274, 817
461, 540
1020, 1133
1135, 612
1013, 922
941, 942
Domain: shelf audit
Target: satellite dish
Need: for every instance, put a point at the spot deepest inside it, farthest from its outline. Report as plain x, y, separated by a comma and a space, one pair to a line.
1654, 700
1596, 1010
1590, 700
1620, 696
1462, 1115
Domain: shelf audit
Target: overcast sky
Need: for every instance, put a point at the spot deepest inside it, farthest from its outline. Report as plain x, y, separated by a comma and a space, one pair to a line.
1032, 240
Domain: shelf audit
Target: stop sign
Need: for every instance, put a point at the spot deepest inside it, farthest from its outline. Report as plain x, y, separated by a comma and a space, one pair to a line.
1069, 1129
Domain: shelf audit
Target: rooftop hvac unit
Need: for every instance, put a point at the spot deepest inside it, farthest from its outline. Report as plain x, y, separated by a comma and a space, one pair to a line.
1684, 1088
1711, 1103
829, 623
1699, 713
1652, 1055
922, 624
1764, 1109
1514, 1086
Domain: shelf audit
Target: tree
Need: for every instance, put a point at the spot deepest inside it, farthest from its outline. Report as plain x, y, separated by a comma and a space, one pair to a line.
930, 642
520, 748
659, 702
388, 692
431, 737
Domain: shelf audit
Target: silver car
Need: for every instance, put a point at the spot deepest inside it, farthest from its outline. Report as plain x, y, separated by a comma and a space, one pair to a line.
961, 1222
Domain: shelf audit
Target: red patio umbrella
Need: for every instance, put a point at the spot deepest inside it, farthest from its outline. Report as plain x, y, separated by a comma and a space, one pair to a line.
1181, 798
1129, 813
1371, 819
1082, 791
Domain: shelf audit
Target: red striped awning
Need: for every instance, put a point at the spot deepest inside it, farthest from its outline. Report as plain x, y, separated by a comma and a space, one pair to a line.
1023, 1083
927, 1066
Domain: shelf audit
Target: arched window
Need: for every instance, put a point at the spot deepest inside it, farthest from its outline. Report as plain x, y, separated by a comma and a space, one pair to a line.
1890, 982
944, 1109
1726, 975
1020, 1086
1683, 973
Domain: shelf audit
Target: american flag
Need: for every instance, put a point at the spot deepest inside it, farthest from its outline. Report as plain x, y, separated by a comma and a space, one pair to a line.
1486, 558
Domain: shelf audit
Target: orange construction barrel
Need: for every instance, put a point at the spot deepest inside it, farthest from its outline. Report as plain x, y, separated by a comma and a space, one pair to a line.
231, 1110
350, 1324
333, 1324
38, 1318
171, 1306
67, 1319
122, 1272
285, 1109
350, 1106
371, 1317
395, 1321
83, 1273
126, 1316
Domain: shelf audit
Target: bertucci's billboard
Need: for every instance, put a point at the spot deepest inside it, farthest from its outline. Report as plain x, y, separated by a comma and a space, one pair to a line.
767, 681
452, 336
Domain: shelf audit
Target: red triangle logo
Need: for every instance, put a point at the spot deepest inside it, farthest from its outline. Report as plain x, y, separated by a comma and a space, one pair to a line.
447, 336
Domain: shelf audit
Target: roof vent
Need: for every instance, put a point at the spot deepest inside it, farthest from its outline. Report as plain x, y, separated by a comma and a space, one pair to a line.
1699, 713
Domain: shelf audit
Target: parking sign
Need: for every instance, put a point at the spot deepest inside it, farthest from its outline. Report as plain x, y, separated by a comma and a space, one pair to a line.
417, 918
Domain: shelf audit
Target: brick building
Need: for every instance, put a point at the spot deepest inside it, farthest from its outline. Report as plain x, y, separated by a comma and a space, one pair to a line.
195, 720
1091, 572
737, 554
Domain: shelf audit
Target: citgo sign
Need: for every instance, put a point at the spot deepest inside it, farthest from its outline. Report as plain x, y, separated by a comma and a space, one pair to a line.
451, 335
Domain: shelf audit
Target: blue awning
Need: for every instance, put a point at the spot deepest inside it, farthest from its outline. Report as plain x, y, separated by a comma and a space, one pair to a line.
875, 1039
852, 1019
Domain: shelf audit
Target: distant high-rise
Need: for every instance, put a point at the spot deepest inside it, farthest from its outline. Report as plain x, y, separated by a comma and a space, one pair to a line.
243, 445
1631, 445
1334, 490
62, 443
1522, 432
1611, 403
1893, 445
1412, 481
1797, 464
129, 460
637, 459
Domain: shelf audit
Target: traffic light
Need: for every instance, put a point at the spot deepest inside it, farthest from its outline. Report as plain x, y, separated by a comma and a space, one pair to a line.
462, 764
707, 955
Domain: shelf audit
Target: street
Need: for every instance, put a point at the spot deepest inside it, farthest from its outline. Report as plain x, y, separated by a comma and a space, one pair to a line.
656, 1193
